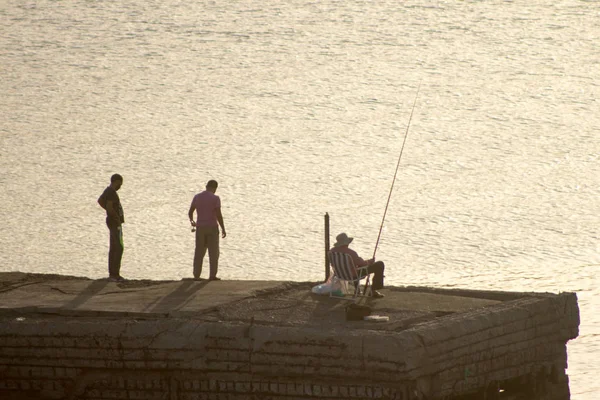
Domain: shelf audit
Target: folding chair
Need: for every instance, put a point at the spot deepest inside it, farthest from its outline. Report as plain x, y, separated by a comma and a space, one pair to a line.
345, 270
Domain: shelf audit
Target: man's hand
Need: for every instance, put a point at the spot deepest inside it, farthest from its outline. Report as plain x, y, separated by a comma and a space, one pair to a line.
223, 234
193, 222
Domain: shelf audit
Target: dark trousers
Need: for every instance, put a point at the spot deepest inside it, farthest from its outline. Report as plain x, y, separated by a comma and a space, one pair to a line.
207, 238
115, 252
377, 269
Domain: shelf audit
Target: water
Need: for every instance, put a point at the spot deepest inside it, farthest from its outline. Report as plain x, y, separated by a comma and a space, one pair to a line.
298, 109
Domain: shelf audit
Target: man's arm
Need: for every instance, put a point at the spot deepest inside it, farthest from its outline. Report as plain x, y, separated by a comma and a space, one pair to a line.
358, 261
220, 220
191, 214
110, 210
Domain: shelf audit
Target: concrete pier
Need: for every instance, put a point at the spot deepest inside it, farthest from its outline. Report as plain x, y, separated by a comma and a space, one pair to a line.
74, 338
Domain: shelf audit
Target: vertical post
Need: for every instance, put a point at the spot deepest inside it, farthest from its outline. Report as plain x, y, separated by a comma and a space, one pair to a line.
326, 246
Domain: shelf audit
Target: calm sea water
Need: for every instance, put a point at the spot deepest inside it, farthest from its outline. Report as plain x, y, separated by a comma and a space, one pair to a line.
300, 108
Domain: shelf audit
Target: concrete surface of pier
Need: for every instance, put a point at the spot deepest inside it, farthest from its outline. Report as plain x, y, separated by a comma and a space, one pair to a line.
67, 337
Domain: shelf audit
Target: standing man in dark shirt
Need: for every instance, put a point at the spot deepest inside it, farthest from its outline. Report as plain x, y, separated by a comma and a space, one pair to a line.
109, 200
208, 212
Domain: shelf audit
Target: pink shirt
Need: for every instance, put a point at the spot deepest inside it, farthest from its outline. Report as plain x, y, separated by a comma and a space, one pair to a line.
358, 262
206, 204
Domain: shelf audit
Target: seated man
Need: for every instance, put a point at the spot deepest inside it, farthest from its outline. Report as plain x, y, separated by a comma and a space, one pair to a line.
375, 268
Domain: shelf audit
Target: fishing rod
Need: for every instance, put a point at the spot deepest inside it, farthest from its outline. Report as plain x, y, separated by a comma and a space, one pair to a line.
397, 165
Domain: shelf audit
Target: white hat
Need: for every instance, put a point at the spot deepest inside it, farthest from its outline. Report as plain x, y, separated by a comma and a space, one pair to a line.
342, 239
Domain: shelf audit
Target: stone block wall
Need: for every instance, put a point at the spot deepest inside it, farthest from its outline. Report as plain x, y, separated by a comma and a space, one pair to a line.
184, 359
489, 347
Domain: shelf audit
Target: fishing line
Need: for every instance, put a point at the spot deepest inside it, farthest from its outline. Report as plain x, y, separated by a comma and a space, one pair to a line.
396, 173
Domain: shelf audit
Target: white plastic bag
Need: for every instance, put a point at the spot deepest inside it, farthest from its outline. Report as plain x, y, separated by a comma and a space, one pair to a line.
324, 288
338, 287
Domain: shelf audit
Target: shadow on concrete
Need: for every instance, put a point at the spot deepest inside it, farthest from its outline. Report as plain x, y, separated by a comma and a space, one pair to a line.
293, 306
330, 311
179, 297
90, 291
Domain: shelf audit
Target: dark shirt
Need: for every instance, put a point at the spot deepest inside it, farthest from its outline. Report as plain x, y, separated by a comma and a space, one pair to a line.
110, 194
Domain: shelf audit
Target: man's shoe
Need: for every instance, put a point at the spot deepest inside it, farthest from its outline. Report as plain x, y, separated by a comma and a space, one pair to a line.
214, 278
377, 295
113, 278
120, 279
198, 279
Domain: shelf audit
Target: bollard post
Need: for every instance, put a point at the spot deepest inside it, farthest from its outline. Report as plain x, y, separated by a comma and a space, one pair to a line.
326, 246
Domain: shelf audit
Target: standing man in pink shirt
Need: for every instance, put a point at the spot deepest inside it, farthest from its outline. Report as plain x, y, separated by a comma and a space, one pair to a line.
208, 212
